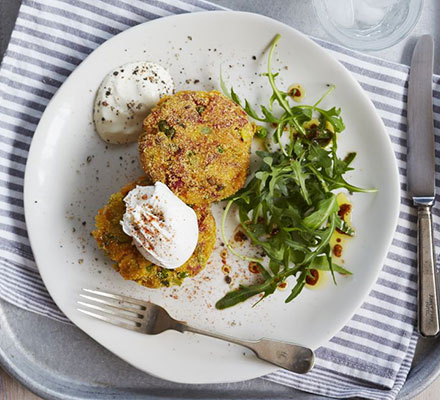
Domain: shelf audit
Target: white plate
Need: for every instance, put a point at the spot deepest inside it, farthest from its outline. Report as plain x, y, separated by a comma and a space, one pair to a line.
63, 191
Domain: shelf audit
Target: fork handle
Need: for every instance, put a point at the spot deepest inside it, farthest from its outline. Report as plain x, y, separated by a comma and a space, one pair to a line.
286, 355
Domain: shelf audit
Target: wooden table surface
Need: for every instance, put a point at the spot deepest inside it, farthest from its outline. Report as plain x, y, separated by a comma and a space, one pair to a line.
10, 389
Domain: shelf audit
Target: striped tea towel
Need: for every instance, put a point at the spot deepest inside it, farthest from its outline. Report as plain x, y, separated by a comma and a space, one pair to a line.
371, 356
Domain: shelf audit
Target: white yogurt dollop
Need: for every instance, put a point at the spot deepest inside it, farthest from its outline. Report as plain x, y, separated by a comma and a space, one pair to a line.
164, 229
125, 97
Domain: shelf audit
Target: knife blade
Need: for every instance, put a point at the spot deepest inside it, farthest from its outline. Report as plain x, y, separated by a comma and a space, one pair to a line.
421, 180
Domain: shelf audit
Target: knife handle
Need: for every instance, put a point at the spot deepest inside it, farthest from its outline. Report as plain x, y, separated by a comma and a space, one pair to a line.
428, 308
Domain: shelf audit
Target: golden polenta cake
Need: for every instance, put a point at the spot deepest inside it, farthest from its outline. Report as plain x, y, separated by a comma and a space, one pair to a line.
198, 144
129, 261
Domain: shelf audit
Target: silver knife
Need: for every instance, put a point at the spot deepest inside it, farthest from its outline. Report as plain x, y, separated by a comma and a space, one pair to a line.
421, 180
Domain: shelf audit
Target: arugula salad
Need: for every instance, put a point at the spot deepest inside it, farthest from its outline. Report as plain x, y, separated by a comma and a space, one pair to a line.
289, 208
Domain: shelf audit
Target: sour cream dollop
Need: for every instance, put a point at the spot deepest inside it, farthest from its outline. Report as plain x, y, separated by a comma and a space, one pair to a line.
164, 229
125, 97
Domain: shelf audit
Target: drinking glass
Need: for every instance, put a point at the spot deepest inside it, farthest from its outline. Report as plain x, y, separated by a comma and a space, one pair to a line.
368, 24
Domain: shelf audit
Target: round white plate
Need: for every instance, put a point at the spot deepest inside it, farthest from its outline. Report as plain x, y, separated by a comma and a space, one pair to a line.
71, 173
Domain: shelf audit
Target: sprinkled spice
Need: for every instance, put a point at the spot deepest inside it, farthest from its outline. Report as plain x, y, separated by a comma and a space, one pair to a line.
296, 92
228, 279
282, 286
254, 267
337, 250
313, 277
223, 255
344, 209
240, 236
226, 269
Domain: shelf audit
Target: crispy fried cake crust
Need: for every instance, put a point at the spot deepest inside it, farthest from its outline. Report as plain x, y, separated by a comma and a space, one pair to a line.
198, 144
130, 263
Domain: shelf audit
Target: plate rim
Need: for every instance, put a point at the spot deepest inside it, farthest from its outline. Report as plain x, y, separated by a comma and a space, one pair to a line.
347, 75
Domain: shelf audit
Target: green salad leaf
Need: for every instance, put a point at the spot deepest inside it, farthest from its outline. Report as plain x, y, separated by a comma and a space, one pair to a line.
289, 208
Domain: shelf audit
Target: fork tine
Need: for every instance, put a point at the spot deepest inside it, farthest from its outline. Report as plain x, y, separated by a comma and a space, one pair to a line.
111, 321
107, 310
133, 310
118, 297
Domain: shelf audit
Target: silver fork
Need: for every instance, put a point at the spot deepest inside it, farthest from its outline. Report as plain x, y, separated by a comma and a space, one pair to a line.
148, 318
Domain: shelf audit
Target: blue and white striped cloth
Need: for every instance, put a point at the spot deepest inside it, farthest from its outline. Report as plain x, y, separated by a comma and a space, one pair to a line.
371, 356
